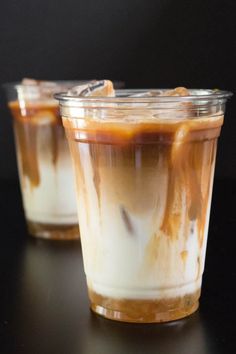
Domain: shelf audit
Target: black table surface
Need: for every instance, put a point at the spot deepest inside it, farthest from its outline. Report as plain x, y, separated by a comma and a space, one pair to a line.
44, 306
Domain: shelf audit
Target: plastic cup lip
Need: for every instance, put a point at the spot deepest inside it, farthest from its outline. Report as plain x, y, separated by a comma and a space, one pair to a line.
39, 92
126, 96
42, 89
59, 83
67, 83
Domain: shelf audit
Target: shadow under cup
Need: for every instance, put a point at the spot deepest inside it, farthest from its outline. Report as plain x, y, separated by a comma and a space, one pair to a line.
144, 173
44, 163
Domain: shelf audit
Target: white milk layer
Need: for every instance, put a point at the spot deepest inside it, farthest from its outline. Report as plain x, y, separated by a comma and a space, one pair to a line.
53, 201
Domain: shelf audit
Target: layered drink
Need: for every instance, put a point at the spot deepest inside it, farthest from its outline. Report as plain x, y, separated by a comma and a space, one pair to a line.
144, 164
44, 163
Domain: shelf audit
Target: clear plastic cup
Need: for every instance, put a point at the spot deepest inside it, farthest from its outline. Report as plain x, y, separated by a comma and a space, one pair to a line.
44, 162
144, 169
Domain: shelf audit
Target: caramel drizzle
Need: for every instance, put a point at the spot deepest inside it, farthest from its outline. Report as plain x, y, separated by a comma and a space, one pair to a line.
207, 172
80, 177
26, 126
55, 136
26, 137
184, 255
189, 154
96, 175
188, 172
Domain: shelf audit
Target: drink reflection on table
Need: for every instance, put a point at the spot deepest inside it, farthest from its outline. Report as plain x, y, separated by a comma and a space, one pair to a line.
187, 336
50, 300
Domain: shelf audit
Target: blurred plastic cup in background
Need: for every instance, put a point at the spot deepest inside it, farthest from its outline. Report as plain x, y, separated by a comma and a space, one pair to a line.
44, 163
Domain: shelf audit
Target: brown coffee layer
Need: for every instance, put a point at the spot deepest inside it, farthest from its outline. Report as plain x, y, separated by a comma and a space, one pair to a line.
144, 311
29, 122
134, 175
143, 131
53, 232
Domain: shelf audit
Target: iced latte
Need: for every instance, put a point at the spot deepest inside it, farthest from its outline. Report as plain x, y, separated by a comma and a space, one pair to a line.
144, 163
44, 162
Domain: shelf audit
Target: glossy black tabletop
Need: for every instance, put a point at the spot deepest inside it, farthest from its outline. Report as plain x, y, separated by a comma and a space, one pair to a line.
44, 305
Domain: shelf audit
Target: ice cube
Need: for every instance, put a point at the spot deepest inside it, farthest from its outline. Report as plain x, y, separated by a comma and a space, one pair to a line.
184, 108
178, 91
44, 85
37, 89
29, 82
166, 108
146, 94
102, 88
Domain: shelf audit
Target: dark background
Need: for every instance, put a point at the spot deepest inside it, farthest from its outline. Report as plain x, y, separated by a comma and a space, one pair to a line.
146, 43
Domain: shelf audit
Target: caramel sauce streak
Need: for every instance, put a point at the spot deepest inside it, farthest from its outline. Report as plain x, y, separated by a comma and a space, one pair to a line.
96, 176
80, 177
28, 122
187, 148
55, 136
143, 310
26, 138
